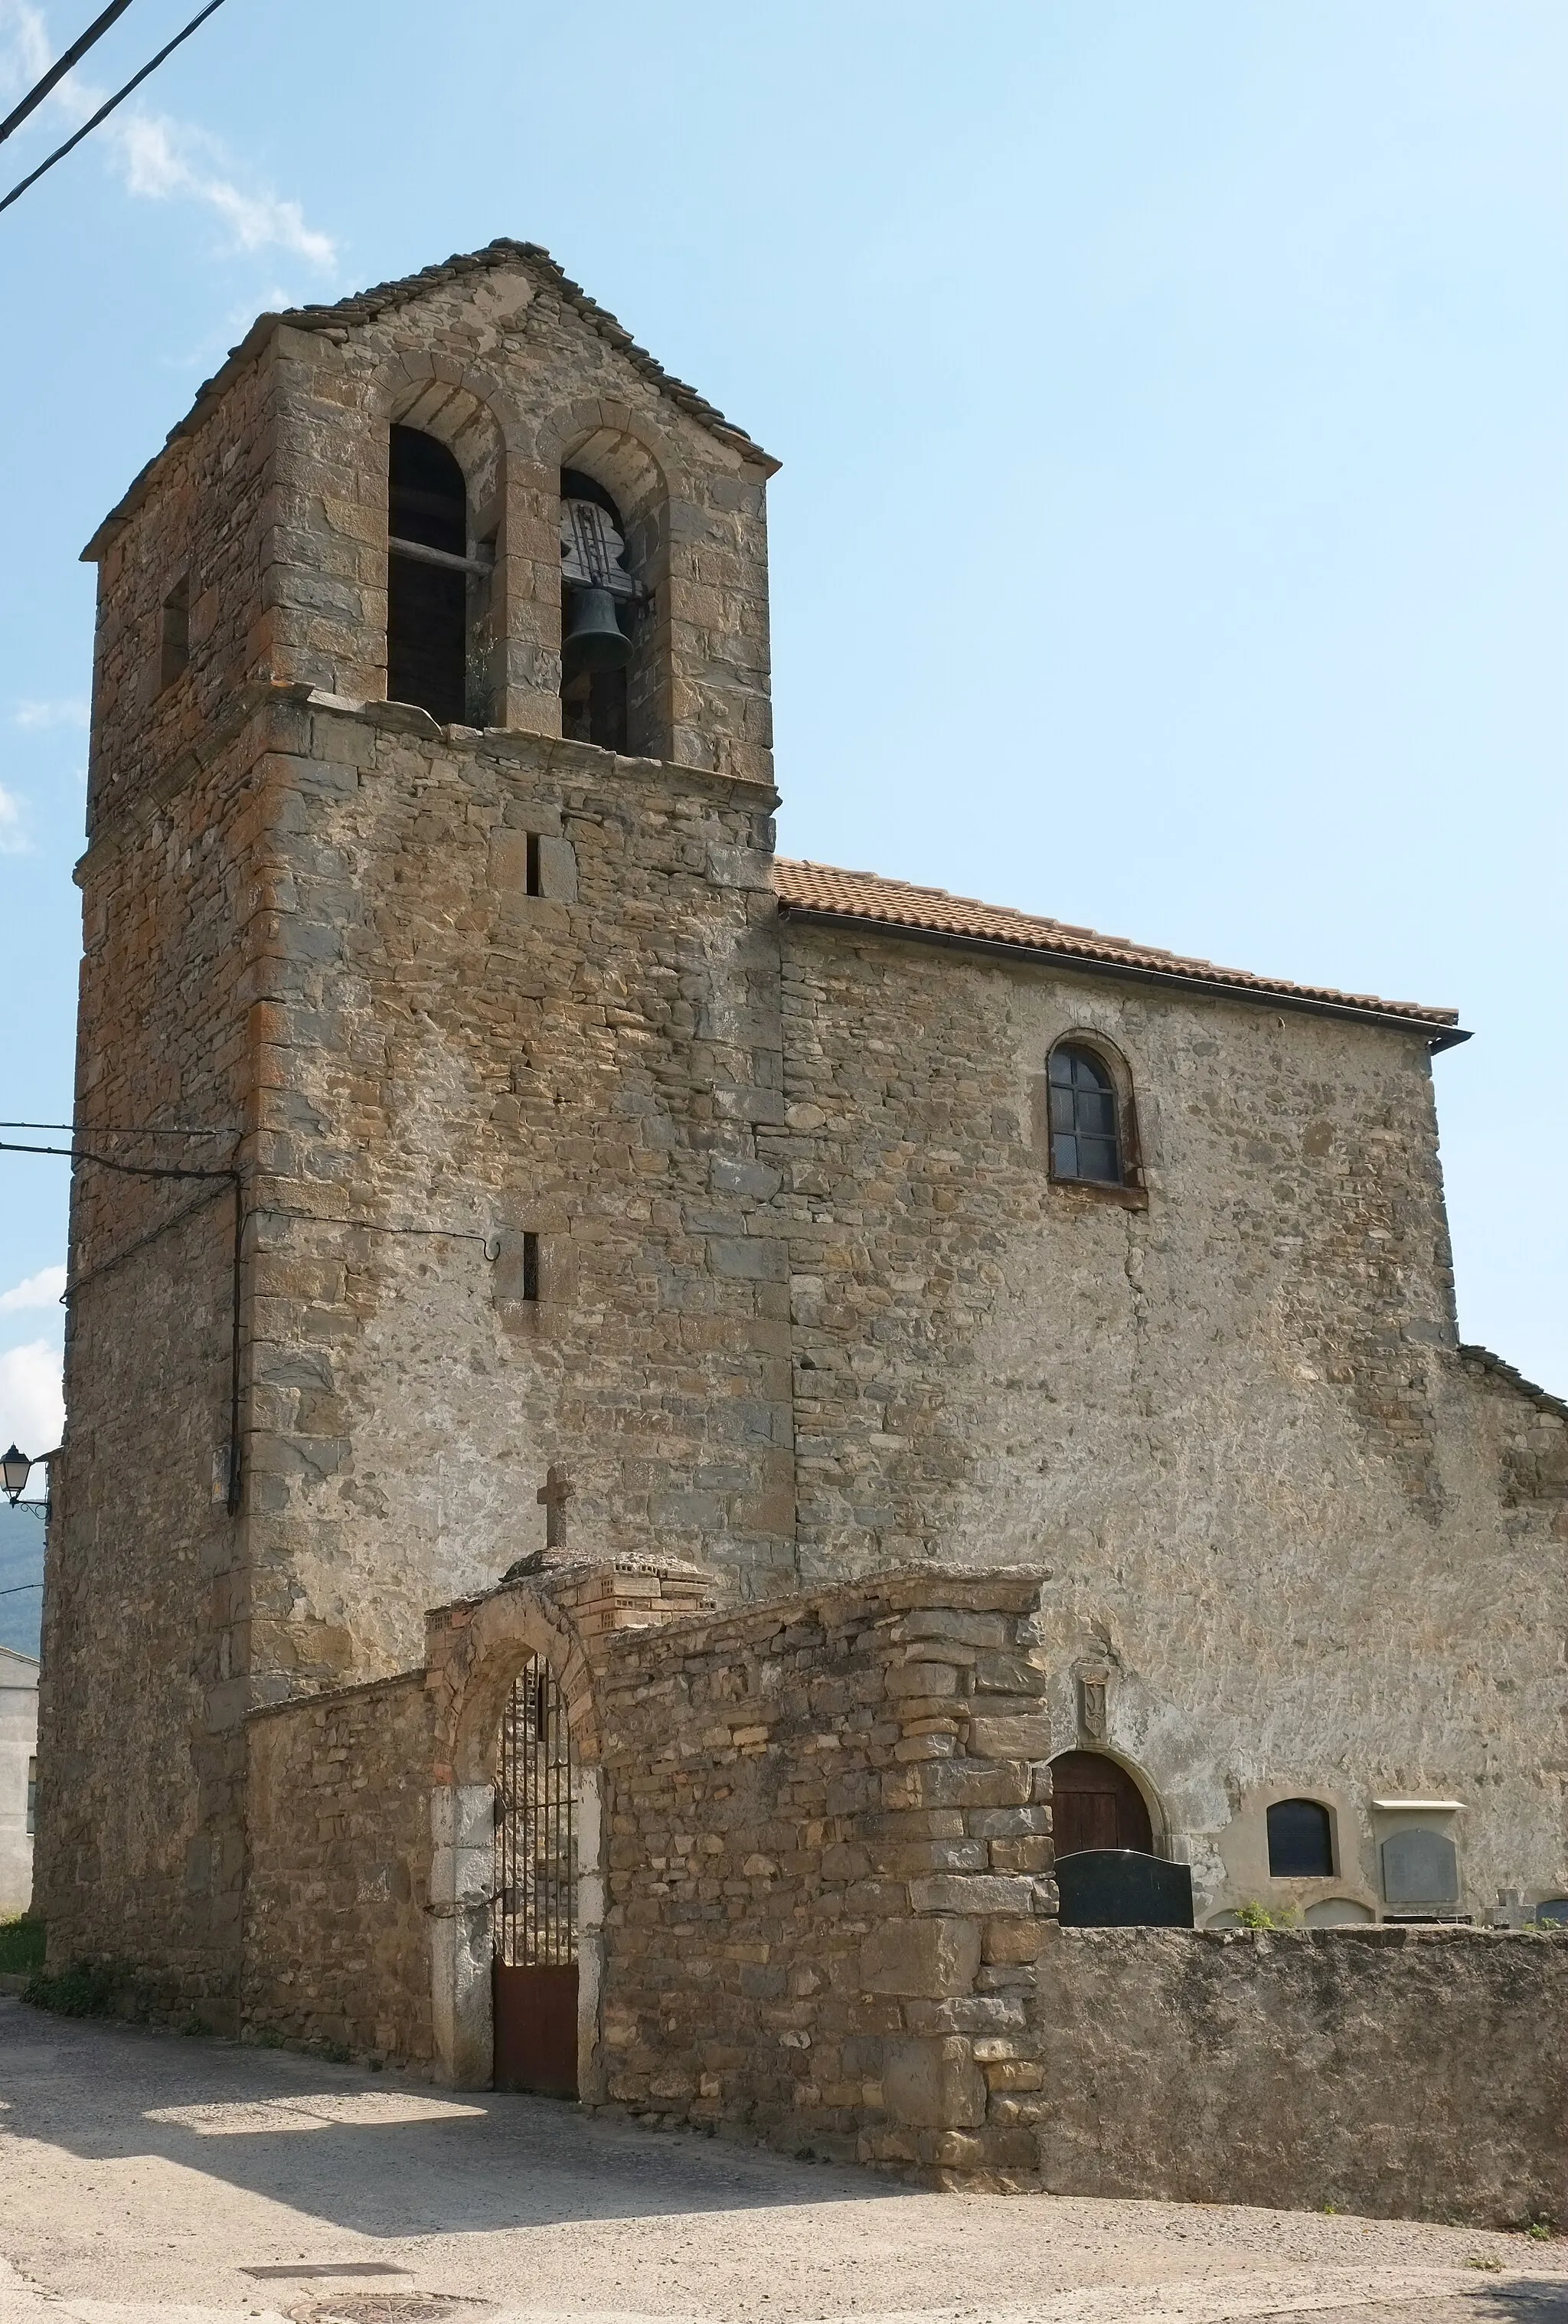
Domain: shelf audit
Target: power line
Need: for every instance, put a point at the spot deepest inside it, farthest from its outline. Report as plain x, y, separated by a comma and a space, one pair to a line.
62, 65
104, 111
148, 1130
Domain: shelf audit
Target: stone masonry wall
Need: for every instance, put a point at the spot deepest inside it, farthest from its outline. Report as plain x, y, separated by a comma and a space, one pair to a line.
318, 934
1307, 1546
1413, 2073
145, 1611
448, 1063
829, 1860
337, 1928
207, 521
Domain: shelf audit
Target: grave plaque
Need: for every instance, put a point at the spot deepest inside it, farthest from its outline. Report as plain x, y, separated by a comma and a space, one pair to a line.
1420, 1867
1119, 1888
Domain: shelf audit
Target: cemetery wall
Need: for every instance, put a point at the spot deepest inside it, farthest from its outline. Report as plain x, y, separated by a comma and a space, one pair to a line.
337, 1928
827, 1869
1403, 2072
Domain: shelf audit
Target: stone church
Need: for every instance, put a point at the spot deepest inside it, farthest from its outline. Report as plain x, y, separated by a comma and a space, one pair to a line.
655, 1415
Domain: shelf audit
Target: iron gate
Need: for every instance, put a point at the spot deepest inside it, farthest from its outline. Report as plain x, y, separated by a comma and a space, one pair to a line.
534, 1916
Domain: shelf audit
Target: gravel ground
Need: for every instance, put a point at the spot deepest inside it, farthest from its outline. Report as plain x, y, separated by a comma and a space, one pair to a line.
149, 2178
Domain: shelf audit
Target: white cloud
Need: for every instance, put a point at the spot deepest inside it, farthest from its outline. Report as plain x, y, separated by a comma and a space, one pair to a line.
14, 839
26, 57
31, 1405
40, 1290
158, 158
162, 158
71, 713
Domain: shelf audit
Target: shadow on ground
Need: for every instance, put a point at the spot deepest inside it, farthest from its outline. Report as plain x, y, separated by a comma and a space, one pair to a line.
382, 2154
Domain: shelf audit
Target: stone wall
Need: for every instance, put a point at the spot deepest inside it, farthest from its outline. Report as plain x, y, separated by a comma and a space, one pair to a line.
828, 1852
1306, 1543
146, 1606
450, 1062
337, 1923
1413, 2073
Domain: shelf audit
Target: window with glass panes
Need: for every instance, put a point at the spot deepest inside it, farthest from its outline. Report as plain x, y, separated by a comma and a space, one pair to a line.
1084, 1139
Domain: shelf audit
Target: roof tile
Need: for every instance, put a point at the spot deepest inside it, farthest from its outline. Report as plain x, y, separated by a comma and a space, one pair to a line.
823, 889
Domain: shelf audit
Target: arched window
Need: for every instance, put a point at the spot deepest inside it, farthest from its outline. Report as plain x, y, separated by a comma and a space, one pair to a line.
597, 593
1086, 1135
1300, 1840
429, 573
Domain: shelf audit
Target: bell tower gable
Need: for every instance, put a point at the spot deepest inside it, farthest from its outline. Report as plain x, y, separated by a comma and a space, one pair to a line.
608, 516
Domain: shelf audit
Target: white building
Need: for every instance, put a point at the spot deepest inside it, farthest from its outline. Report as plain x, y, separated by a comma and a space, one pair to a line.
18, 1778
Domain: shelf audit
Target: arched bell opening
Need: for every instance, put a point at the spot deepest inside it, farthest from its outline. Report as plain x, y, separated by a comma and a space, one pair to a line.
616, 652
442, 520
599, 606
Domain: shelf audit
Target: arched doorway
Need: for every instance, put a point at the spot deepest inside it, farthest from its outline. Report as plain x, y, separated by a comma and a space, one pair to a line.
534, 1910
1095, 1804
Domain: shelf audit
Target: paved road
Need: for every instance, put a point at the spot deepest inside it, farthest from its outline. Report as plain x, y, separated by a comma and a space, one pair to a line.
147, 2179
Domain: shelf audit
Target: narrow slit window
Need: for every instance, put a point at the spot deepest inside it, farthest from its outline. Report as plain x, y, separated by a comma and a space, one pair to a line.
174, 635
532, 873
531, 1267
1086, 1135
33, 1795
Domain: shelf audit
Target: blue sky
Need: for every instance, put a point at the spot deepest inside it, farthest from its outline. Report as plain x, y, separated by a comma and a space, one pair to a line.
1172, 397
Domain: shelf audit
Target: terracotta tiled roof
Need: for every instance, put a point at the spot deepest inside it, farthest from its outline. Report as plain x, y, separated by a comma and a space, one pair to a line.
821, 891
365, 305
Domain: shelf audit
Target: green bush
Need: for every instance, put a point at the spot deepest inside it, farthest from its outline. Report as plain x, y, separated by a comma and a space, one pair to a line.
21, 1945
81, 1989
1259, 1917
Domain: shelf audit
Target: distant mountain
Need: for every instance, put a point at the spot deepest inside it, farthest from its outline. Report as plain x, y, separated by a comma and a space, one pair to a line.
21, 1559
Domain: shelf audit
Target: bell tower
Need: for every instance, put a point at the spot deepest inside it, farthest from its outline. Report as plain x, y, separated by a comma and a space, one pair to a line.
428, 876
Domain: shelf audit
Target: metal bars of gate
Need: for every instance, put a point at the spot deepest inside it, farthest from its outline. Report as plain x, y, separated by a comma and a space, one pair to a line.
535, 1912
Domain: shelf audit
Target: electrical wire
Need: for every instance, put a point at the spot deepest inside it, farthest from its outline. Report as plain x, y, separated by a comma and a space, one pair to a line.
60, 67
169, 1129
104, 111
106, 1162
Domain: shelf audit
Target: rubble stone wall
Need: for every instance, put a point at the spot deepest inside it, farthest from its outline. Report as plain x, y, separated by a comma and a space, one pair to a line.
337, 1925
140, 1846
449, 1064
1307, 1543
827, 1869
1413, 2073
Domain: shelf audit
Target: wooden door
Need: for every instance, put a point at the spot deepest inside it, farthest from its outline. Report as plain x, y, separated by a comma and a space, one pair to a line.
534, 1979
1095, 1804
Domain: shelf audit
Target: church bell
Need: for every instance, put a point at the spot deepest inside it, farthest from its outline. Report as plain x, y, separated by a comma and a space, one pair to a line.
595, 639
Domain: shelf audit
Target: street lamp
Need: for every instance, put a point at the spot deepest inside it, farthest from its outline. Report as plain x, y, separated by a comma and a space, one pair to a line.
14, 1470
